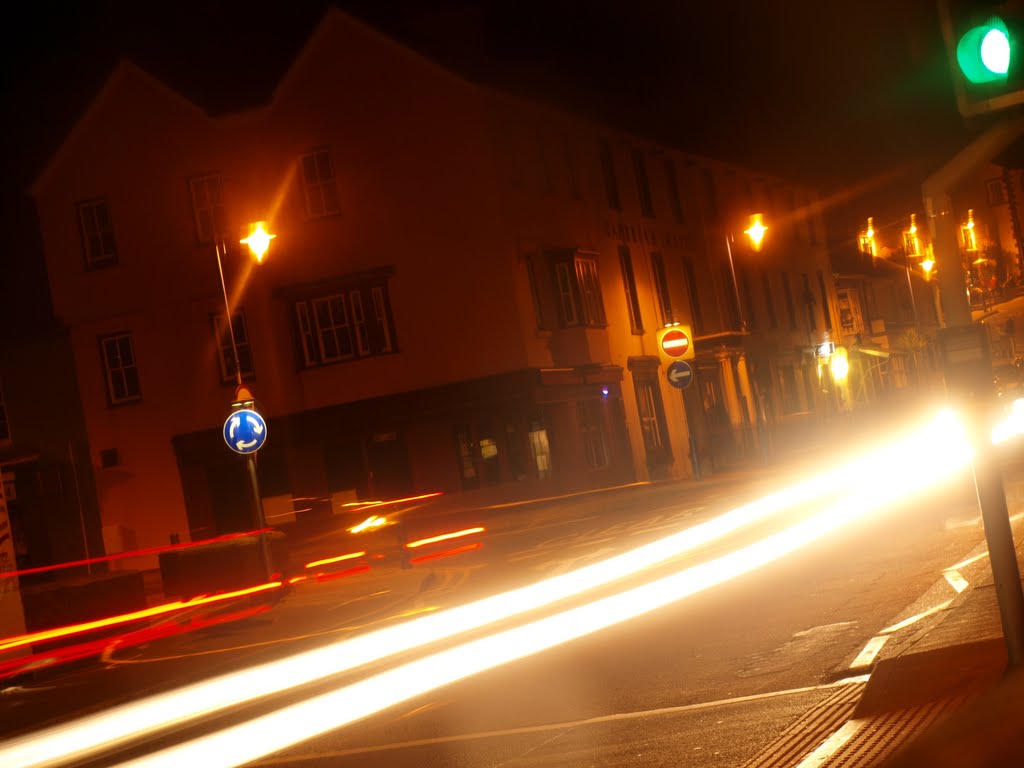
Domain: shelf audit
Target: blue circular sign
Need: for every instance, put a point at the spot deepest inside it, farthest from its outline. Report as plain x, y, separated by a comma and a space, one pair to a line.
680, 374
245, 431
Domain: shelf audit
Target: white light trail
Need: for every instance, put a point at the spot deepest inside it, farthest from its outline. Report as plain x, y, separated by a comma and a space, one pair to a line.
119, 724
264, 735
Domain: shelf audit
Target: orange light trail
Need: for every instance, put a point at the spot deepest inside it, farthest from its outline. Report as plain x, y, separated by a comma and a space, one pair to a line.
126, 618
445, 537
358, 505
133, 553
338, 559
446, 553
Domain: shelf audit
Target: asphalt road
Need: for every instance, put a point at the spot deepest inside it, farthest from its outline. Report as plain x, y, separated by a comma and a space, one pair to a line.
708, 681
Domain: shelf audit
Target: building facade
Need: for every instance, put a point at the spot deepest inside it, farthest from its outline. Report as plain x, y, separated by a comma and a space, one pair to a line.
464, 294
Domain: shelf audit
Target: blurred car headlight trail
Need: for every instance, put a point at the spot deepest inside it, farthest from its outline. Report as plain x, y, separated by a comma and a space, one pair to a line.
1012, 425
338, 559
95, 732
264, 735
445, 537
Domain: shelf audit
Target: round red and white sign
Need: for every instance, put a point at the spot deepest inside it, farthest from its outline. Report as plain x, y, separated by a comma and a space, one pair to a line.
675, 343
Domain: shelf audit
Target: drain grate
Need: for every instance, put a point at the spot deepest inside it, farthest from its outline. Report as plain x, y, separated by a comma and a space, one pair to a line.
807, 733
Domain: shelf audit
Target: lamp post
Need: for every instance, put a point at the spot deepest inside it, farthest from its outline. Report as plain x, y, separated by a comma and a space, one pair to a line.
755, 232
258, 241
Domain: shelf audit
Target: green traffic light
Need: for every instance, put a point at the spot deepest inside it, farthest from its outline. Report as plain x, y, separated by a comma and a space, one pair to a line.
984, 52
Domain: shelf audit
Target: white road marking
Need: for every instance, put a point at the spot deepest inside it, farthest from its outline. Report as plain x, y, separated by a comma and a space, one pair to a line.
956, 581
831, 745
914, 619
968, 561
865, 657
319, 757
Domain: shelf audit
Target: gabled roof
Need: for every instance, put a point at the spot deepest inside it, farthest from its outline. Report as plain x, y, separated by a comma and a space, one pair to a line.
123, 74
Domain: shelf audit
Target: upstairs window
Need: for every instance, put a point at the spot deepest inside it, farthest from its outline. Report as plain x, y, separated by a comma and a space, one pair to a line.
636, 322
675, 200
207, 208
611, 182
995, 191
226, 353
122, 373
769, 300
351, 322
99, 248
661, 289
643, 184
579, 290
320, 191
5, 425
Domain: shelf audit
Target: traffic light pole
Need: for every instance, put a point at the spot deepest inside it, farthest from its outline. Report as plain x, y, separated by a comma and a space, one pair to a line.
967, 365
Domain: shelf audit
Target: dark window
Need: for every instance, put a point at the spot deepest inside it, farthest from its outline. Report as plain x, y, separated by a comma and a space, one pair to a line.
643, 185
97, 229
661, 289
697, 314
651, 411
120, 369
636, 322
769, 300
531, 276
590, 421
570, 167
352, 322
808, 298
675, 200
710, 197
824, 301
995, 191
611, 182
787, 289
226, 353
748, 297
732, 305
579, 290
207, 208
5, 425
320, 191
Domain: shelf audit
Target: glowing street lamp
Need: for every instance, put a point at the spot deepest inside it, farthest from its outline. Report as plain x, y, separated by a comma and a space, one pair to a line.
756, 231
258, 242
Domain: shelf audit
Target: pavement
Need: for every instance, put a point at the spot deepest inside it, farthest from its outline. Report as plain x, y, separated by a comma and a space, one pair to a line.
943, 693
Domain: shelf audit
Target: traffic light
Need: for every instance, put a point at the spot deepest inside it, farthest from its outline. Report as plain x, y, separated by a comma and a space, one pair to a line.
985, 47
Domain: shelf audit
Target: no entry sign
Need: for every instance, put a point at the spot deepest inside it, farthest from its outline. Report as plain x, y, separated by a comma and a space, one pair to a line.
675, 343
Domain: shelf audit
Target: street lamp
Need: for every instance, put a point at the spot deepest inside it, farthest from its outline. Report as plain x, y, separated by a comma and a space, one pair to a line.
755, 232
258, 241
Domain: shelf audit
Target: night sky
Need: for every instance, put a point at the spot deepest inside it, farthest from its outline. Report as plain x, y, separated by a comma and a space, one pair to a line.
799, 89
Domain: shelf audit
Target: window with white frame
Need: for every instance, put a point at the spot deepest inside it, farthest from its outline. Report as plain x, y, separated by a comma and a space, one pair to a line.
120, 369
99, 248
579, 289
320, 191
207, 207
661, 290
349, 323
5, 425
226, 352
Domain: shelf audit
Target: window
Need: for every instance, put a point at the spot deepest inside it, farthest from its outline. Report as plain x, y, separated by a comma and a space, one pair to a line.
226, 354
748, 296
611, 182
675, 201
867, 245
636, 322
531, 276
849, 311
911, 245
651, 411
579, 290
995, 191
970, 240
5, 425
318, 186
710, 198
122, 373
824, 301
808, 299
769, 300
352, 322
643, 185
697, 315
97, 228
590, 421
732, 303
661, 289
207, 208
787, 289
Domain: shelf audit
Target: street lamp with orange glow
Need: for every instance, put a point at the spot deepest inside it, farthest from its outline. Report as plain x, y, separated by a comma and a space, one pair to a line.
755, 232
258, 241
